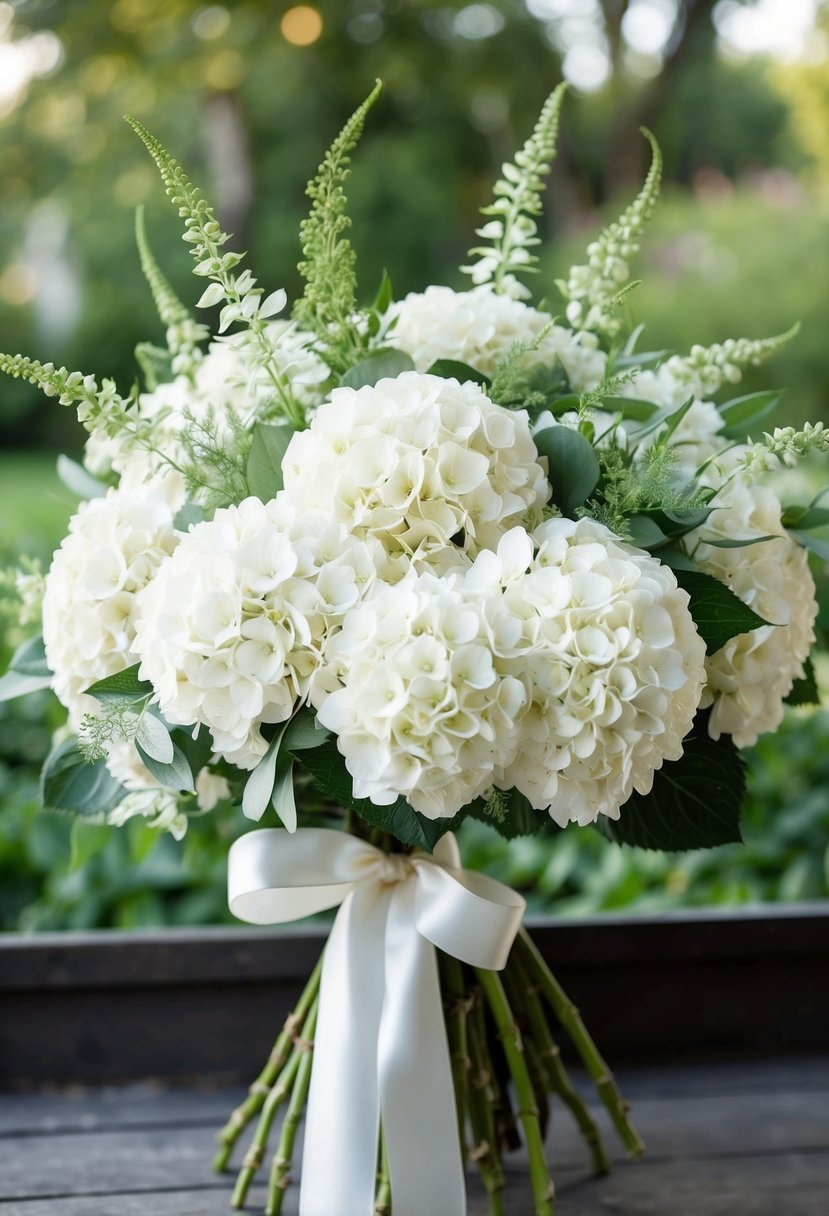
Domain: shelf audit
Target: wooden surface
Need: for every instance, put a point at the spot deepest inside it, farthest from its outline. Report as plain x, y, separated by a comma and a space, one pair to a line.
727, 1139
111, 1007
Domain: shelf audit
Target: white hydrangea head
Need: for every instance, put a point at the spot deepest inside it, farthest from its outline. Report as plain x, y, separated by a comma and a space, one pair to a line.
429, 468
750, 677
233, 626
126, 766
615, 668
115, 545
417, 695
480, 327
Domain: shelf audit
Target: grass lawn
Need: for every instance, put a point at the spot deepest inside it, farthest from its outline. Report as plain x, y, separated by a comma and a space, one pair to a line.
34, 505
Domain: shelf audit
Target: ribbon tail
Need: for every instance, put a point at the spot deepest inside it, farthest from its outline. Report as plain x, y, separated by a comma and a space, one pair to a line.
417, 1096
339, 1164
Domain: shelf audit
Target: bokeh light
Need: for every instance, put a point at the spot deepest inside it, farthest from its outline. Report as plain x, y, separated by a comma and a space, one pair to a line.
301, 25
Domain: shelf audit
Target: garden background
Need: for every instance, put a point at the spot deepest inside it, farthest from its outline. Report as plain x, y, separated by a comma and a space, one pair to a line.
247, 96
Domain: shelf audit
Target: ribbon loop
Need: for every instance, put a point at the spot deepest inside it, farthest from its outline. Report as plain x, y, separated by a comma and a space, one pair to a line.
380, 1050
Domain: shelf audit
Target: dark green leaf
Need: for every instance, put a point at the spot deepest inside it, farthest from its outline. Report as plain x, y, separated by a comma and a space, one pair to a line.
198, 751
123, 686
676, 559
806, 518
304, 731
177, 775
629, 407
327, 768
739, 542
645, 533
69, 783
805, 691
669, 418
385, 294
451, 369
718, 613
572, 465
520, 818
385, 364
695, 802
267, 451
743, 412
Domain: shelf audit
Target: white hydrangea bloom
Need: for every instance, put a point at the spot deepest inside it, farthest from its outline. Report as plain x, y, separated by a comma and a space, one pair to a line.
114, 547
427, 467
232, 628
615, 667
422, 706
126, 766
480, 327
750, 677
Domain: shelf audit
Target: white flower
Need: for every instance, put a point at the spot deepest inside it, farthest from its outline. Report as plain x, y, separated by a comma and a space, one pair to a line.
422, 706
615, 668
232, 628
427, 467
158, 805
480, 327
114, 547
750, 677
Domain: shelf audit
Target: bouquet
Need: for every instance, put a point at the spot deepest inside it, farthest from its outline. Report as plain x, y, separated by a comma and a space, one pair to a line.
449, 556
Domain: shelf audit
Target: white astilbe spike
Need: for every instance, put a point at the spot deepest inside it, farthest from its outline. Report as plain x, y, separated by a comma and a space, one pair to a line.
705, 370
184, 334
512, 231
594, 290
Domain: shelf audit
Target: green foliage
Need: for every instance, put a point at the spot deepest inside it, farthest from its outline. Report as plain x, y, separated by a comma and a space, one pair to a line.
695, 802
376, 367
329, 301
184, 334
512, 231
69, 782
215, 462
646, 484
718, 613
268, 446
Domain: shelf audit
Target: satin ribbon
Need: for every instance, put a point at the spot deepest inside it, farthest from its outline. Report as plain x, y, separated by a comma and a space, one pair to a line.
380, 1047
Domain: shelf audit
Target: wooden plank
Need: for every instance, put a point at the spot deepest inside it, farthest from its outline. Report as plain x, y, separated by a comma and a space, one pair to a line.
701, 1127
113, 1007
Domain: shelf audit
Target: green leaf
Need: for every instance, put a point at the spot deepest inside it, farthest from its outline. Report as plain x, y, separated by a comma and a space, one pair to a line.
75, 477
153, 737
740, 542
69, 783
304, 731
123, 686
645, 533
648, 358
259, 785
328, 771
174, 775
743, 412
452, 369
188, 516
87, 840
30, 659
629, 407
806, 518
520, 818
572, 465
816, 544
669, 418
676, 559
805, 691
385, 295
718, 613
282, 799
13, 684
695, 802
267, 451
197, 752
384, 365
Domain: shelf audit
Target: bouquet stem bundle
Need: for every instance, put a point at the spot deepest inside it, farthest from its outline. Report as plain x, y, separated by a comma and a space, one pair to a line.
506, 1067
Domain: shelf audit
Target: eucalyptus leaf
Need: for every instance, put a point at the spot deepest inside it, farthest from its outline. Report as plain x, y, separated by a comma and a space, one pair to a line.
452, 369
14, 684
718, 613
743, 412
268, 446
76, 478
304, 731
175, 775
385, 364
283, 799
259, 786
68, 782
153, 738
187, 516
30, 658
122, 686
645, 533
572, 465
695, 801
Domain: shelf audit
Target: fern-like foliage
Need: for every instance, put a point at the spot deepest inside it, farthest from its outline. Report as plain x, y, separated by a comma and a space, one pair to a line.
241, 297
184, 334
513, 231
328, 265
645, 483
215, 460
594, 290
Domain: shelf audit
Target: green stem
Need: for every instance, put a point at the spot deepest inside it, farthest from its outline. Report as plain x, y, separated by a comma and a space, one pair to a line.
535, 1065
542, 1187
557, 1076
281, 1167
382, 1200
261, 1087
485, 1151
457, 1004
256, 1153
568, 1016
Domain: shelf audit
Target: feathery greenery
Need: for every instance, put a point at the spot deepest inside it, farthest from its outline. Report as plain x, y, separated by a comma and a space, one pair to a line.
328, 304
184, 333
518, 199
594, 290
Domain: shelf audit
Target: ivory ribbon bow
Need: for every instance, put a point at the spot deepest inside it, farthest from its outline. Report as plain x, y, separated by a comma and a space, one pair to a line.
380, 1045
